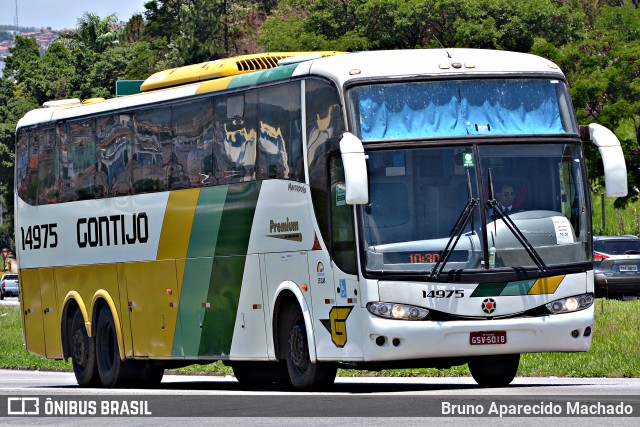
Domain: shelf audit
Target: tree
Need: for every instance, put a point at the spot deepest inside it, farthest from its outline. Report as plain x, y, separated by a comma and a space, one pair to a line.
94, 33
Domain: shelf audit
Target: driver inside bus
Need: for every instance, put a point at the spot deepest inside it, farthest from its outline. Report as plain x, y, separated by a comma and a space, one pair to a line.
505, 197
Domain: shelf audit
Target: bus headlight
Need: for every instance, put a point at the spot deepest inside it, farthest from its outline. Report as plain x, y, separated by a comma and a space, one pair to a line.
390, 310
571, 304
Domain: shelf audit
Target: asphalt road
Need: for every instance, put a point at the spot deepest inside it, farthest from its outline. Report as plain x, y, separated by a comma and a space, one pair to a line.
370, 401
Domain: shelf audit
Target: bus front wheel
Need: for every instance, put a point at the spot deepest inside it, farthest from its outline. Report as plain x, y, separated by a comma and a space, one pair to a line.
83, 353
303, 373
494, 371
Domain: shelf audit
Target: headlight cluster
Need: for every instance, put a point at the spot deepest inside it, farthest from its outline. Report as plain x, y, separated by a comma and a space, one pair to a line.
568, 305
390, 310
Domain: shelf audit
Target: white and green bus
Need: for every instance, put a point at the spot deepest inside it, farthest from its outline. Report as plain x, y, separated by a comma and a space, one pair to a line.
291, 213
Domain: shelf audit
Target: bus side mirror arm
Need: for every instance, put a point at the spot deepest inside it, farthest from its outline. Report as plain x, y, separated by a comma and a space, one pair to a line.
355, 169
615, 168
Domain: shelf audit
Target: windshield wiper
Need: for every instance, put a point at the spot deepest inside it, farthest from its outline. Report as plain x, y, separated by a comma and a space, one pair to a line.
502, 213
456, 232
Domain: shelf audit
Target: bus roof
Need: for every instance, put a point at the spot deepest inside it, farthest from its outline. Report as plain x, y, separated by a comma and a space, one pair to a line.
226, 74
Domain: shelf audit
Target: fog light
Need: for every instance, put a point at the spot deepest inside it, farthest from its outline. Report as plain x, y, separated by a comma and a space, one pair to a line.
395, 342
575, 333
380, 340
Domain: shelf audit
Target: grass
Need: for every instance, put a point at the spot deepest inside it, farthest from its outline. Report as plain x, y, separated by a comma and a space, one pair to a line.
615, 351
616, 222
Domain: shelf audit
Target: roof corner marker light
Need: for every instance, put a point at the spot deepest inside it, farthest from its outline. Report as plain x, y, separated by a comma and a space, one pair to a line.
443, 66
456, 65
469, 65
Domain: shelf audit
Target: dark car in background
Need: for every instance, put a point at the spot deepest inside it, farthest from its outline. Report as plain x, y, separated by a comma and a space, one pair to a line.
9, 286
616, 265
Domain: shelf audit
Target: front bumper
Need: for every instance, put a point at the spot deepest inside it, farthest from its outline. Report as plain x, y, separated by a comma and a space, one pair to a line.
433, 339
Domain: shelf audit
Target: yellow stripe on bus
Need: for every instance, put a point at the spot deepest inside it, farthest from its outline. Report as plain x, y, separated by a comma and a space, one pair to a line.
214, 85
176, 227
547, 285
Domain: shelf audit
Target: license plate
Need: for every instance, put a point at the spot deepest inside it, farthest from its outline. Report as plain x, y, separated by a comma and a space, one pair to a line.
488, 337
628, 268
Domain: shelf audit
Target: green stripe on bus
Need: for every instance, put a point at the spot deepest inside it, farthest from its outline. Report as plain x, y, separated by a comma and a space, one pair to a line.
228, 269
206, 222
193, 296
270, 75
520, 287
489, 289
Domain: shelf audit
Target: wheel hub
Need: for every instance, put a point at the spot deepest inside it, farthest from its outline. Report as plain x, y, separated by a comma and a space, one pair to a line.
79, 352
297, 348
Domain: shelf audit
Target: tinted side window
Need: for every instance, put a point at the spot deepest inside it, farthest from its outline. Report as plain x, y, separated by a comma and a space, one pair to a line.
113, 169
280, 133
78, 161
24, 176
47, 167
193, 134
151, 149
324, 127
235, 137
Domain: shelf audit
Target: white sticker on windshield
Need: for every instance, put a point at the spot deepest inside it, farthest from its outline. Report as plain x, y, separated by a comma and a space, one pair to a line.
564, 235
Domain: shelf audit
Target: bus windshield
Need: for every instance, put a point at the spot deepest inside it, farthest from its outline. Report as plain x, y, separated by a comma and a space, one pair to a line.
426, 109
417, 195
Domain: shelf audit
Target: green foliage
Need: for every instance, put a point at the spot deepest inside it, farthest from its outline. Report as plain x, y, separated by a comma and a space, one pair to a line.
596, 43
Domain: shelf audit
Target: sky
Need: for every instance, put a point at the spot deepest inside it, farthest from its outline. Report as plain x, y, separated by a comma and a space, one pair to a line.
59, 14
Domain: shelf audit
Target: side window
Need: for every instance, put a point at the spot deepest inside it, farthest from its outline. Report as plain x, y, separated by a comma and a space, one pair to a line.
324, 126
151, 149
193, 135
78, 161
280, 133
26, 179
113, 155
235, 137
47, 167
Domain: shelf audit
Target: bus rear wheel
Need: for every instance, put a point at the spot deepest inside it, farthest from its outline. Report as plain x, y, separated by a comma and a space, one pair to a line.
303, 373
83, 353
113, 371
494, 371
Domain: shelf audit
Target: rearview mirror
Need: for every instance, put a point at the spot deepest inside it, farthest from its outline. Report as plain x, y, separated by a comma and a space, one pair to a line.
615, 168
355, 169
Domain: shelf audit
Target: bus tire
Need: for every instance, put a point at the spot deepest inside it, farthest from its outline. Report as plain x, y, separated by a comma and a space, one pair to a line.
82, 351
148, 374
261, 374
113, 371
494, 371
302, 373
